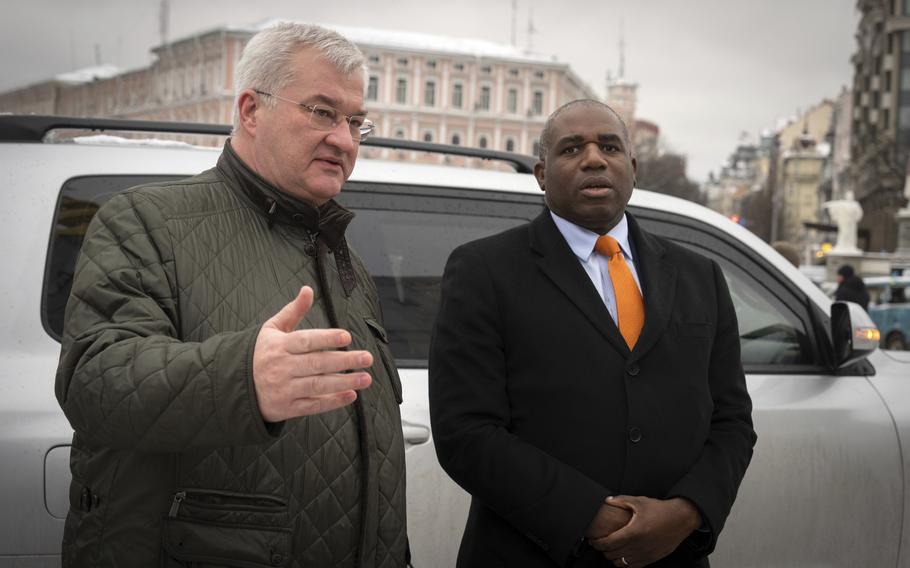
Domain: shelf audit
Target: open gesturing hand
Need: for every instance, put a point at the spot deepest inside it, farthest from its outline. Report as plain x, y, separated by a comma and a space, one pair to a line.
302, 372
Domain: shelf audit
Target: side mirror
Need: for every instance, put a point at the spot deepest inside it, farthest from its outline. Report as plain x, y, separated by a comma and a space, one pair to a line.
853, 333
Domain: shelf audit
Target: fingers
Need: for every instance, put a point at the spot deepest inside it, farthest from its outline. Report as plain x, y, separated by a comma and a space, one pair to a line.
614, 542
328, 362
309, 340
322, 385
320, 404
292, 313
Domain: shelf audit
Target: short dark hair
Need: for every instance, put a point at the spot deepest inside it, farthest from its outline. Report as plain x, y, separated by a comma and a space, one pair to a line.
547, 132
845, 270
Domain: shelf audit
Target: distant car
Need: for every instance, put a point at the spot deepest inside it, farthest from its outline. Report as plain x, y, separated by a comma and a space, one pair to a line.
890, 309
829, 484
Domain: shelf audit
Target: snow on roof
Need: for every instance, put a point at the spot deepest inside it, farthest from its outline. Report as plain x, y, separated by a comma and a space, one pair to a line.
89, 74
107, 139
419, 41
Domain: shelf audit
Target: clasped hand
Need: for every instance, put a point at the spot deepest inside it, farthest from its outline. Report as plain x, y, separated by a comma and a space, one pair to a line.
637, 531
302, 372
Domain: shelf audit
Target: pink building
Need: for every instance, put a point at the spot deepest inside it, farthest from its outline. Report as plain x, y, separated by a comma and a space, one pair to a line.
421, 87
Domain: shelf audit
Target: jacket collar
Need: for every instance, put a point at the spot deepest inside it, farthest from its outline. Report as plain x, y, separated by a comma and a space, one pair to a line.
657, 276
330, 220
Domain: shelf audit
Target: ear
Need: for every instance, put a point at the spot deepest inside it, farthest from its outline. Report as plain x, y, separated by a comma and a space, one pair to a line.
540, 174
248, 104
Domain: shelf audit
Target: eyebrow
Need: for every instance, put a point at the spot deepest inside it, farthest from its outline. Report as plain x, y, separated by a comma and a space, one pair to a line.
574, 138
326, 100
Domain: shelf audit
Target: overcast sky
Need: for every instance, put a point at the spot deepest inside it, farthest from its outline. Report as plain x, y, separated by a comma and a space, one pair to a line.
708, 70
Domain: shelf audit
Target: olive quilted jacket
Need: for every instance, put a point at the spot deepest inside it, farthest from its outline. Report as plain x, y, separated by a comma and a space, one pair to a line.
172, 462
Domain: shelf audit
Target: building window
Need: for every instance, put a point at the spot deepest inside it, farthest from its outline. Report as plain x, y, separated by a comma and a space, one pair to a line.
429, 93
457, 95
513, 72
431, 63
887, 81
906, 8
538, 74
403, 61
459, 66
512, 101
374, 59
486, 69
373, 88
484, 102
482, 141
536, 147
456, 139
510, 145
427, 136
399, 133
401, 91
537, 103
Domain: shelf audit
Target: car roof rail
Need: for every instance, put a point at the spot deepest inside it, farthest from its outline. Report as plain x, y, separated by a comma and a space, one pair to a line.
34, 128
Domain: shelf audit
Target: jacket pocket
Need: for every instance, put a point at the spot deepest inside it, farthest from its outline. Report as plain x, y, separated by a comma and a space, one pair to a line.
694, 330
222, 528
382, 344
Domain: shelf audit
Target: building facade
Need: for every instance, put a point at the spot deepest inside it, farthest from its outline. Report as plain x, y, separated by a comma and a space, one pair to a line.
880, 145
420, 87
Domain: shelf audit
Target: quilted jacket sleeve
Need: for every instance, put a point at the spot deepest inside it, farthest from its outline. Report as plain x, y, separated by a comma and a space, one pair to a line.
125, 380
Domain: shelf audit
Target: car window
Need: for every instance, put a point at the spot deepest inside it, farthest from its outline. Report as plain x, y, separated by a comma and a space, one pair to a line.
405, 236
774, 323
78, 202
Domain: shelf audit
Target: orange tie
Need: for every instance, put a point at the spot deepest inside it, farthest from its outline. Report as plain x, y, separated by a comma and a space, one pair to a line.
630, 310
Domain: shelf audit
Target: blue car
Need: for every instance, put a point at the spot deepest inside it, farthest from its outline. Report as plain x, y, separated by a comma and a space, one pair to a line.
890, 309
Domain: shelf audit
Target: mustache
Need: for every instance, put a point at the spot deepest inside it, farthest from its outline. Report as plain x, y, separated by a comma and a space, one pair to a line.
595, 181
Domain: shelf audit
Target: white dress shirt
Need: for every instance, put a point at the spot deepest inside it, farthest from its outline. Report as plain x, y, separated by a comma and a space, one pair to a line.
596, 265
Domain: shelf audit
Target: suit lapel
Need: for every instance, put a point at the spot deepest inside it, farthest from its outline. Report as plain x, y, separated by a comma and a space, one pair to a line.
559, 264
658, 282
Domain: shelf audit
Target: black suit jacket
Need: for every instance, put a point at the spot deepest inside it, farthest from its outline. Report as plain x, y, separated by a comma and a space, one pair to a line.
540, 411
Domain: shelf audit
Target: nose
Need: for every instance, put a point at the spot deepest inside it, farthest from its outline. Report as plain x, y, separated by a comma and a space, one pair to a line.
592, 158
340, 137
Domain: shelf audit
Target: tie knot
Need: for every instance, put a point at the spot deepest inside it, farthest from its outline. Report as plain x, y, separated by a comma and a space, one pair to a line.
607, 246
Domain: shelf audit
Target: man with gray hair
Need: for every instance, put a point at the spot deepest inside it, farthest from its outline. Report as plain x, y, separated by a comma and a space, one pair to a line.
213, 423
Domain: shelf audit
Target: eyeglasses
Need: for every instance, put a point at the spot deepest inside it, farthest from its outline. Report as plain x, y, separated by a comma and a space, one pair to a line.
323, 117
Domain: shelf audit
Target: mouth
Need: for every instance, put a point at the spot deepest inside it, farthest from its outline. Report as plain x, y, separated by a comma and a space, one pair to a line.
596, 186
331, 162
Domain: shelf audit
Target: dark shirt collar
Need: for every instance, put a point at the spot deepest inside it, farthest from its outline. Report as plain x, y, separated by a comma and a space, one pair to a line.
329, 220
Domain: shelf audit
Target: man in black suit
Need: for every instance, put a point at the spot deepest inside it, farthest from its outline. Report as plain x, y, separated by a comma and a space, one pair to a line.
584, 441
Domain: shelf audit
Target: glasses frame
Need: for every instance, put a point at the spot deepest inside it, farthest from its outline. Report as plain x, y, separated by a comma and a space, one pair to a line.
365, 129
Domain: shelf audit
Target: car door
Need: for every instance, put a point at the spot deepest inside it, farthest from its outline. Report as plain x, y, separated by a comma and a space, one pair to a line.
825, 483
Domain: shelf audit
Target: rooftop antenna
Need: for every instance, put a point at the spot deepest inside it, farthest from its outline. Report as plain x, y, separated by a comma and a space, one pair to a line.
514, 23
163, 19
531, 29
622, 51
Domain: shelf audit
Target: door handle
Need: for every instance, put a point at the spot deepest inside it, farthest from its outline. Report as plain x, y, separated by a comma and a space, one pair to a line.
414, 433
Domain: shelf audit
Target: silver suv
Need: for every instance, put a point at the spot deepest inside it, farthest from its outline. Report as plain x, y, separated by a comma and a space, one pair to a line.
828, 481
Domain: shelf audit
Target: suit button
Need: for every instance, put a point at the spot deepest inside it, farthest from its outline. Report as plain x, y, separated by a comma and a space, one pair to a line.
632, 369
309, 249
635, 434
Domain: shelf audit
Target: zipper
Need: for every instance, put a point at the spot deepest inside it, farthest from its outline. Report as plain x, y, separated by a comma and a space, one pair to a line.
359, 551
175, 506
221, 500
